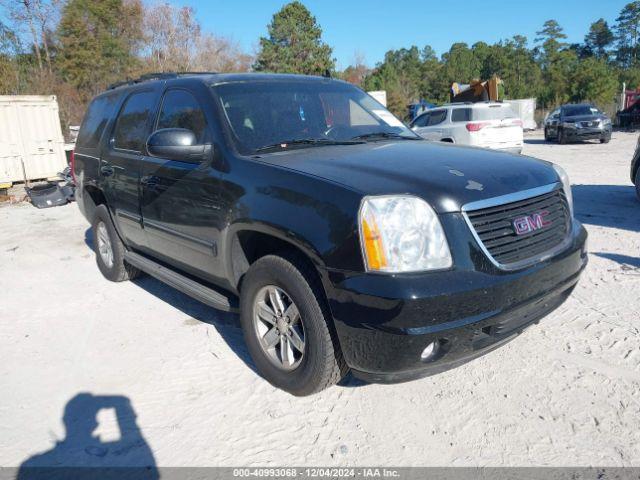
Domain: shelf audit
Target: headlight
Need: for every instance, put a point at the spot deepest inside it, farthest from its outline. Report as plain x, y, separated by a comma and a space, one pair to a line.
606, 122
566, 185
401, 233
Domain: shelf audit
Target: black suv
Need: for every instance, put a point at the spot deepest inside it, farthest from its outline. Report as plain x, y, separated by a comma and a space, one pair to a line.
345, 241
574, 122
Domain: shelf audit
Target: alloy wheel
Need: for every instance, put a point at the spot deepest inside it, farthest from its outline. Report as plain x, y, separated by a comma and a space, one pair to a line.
104, 245
279, 327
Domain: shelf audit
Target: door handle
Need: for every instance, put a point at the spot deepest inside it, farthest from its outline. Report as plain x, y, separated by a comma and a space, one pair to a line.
106, 170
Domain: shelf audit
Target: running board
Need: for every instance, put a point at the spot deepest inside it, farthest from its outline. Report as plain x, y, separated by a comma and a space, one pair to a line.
196, 290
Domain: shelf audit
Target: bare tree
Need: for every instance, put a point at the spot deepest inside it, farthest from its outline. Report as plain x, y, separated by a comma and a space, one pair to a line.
37, 16
175, 42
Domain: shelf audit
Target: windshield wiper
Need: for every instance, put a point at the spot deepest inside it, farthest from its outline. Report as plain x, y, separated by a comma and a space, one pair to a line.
384, 135
305, 141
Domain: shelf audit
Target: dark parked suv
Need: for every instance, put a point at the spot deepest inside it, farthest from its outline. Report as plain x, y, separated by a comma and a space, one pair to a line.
345, 241
574, 122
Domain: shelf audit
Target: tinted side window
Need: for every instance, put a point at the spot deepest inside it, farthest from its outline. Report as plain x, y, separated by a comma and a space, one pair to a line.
131, 125
180, 109
461, 115
437, 117
422, 120
96, 118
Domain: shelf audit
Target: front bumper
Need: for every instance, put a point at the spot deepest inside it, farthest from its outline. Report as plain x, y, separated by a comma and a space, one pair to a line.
587, 133
384, 322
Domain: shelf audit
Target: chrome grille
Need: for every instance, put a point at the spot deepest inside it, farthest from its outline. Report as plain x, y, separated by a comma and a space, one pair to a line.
494, 228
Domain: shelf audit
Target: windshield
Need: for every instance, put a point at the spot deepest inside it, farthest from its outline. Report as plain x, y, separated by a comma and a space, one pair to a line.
575, 110
300, 114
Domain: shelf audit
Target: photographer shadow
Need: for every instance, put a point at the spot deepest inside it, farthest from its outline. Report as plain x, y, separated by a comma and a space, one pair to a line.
83, 455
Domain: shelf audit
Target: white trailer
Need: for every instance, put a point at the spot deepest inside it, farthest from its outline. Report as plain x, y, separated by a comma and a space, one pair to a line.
31, 142
525, 109
380, 96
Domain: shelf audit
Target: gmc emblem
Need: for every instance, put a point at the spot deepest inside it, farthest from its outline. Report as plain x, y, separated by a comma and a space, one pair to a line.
531, 223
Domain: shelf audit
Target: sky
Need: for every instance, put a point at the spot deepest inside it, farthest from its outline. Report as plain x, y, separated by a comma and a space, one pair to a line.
373, 27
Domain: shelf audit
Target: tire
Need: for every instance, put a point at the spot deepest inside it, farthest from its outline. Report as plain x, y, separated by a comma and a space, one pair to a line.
605, 139
546, 135
116, 270
637, 183
561, 138
320, 365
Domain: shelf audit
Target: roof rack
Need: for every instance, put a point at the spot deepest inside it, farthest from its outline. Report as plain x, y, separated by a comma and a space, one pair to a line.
156, 76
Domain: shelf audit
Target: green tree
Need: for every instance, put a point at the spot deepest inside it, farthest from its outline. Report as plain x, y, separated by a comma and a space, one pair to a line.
96, 47
460, 64
294, 44
599, 38
551, 38
9, 71
557, 63
406, 75
627, 30
594, 80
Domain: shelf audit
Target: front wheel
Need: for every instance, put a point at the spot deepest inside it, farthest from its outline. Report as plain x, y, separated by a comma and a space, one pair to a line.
562, 140
605, 139
287, 326
546, 135
637, 183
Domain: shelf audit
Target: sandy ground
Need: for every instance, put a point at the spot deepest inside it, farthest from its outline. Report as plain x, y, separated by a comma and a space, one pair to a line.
567, 392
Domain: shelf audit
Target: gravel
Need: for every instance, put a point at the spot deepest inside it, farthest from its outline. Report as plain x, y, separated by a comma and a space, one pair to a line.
566, 392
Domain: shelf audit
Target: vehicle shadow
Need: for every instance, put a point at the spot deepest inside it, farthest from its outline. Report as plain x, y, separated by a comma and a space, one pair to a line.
542, 141
82, 454
226, 324
612, 206
624, 260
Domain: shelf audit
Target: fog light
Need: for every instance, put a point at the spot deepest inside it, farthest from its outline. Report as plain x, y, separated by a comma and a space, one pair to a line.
430, 351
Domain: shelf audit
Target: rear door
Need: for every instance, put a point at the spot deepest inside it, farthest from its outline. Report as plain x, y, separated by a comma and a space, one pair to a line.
121, 163
180, 200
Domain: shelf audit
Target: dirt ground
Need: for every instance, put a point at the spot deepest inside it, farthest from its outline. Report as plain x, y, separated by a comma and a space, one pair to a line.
170, 382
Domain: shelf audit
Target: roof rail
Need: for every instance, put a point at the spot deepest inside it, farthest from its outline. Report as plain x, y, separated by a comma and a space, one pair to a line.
155, 76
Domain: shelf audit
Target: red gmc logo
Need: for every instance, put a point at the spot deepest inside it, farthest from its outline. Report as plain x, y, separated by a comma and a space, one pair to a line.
531, 223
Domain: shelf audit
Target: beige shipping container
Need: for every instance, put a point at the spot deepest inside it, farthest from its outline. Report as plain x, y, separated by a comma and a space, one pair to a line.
30, 134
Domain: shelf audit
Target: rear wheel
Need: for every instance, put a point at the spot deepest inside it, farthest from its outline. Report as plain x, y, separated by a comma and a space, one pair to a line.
109, 248
287, 326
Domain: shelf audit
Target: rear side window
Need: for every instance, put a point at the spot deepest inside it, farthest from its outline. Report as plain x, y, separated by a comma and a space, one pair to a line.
180, 109
493, 113
461, 115
95, 120
131, 126
437, 117
422, 120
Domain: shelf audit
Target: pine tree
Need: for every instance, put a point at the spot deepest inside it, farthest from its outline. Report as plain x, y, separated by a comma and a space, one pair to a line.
599, 38
627, 31
94, 46
294, 44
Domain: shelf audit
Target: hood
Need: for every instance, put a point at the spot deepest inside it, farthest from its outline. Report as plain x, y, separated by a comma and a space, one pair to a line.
444, 175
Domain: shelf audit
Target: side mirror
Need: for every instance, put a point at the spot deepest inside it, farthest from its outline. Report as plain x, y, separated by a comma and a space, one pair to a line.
176, 144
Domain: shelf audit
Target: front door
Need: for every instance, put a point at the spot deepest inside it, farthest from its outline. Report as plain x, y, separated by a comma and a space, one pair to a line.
120, 165
180, 200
